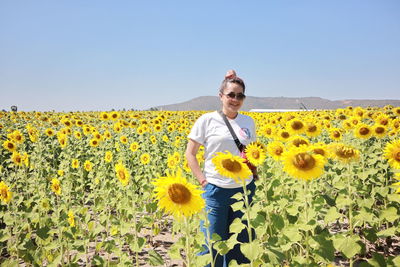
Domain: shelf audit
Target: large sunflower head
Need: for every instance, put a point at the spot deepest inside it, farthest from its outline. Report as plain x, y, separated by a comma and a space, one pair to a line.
392, 153
177, 196
301, 163
9, 145
231, 166
344, 153
255, 153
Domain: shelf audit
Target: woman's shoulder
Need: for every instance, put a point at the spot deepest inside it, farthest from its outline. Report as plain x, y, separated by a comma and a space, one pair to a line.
208, 115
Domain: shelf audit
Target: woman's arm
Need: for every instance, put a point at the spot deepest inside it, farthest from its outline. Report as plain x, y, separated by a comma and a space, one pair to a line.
191, 151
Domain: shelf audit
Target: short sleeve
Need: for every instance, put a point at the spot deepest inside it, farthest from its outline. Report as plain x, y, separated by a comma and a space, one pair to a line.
198, 131
253, 131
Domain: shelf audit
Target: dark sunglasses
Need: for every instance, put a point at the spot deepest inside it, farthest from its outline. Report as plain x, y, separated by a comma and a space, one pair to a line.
238, 96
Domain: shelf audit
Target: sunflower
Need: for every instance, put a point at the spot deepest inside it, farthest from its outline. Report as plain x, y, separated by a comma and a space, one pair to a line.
343, 152
267, 131
123, 139
312, 129
71, 218
335, 134
16, 136
383, 120
145, 158
94, 142
108, 157
153, 139
171, 162
379, 131
275, 150
9, 145
5, 193
177, 196
363, 131
55, 186
157, 128
134, 146
297, 141
301, 163
122, 173
60, 172
77, 135
88, 165
321, 149
295, 126
104, 116
17, 158
75, 164
62, 140
255, 153
392, 153
231, 166
283, 135
115, 115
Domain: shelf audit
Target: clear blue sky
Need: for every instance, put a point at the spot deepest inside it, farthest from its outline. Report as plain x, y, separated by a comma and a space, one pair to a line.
99, 55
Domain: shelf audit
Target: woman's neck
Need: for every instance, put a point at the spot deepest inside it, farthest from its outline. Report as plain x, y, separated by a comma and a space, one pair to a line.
230, 115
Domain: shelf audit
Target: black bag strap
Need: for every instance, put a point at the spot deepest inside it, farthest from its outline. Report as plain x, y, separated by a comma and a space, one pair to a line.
239, 145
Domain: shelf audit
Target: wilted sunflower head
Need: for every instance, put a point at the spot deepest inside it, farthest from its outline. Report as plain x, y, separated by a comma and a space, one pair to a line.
344, 153
177, 196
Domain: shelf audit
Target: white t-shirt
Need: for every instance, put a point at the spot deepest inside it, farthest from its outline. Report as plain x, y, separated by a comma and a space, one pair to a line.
211, 131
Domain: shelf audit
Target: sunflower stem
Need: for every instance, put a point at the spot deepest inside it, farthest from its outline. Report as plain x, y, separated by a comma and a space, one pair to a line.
188, 253
350, 205
247, 211
307, 234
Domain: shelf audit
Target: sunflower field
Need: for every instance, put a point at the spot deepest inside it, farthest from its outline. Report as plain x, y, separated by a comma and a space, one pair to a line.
97, 188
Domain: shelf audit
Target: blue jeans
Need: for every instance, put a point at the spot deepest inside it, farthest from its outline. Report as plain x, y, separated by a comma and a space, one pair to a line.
220, 216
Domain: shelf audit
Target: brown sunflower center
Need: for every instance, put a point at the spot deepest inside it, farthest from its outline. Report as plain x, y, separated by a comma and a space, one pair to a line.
3, 193
364, 131
10, 145
179, 194
278, 151
396, 155
298, 142
255, 154
285, 135
342, 117
319, 151
336, 134
268, 131
379, 130
311, 128
304, 161
297, 125
345, 152
384, 121
231, 165
121, 175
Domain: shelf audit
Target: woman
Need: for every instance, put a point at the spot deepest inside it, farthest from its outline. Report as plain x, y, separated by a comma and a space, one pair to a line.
211, 131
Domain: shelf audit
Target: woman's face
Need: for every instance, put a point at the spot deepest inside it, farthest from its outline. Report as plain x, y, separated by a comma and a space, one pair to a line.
231, 105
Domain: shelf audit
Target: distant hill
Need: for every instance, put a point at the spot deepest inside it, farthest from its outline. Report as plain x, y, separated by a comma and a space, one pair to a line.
251, 102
